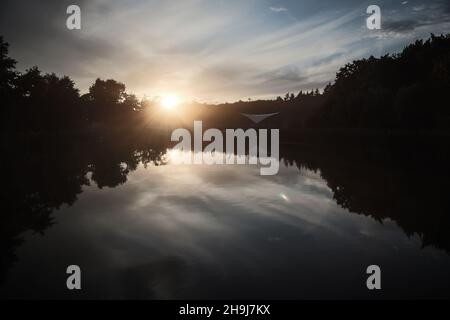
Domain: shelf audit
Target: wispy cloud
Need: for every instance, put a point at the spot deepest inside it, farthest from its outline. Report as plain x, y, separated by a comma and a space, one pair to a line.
416, 22
278, 9
209, 50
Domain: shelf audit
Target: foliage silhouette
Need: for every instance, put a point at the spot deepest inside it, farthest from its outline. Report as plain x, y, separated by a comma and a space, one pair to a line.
405, 91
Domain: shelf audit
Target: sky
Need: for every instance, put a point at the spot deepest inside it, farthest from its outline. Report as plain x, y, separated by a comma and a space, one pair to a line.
211, 50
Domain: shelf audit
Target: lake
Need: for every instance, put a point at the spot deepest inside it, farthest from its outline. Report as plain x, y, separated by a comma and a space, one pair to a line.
142, 227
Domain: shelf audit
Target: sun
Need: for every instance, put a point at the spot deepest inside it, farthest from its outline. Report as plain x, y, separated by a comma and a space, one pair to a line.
170, 101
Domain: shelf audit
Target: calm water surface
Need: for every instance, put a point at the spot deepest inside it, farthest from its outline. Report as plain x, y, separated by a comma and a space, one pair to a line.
226, 232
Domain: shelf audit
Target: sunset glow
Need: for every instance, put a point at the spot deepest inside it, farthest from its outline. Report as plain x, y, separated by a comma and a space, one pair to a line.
170, 101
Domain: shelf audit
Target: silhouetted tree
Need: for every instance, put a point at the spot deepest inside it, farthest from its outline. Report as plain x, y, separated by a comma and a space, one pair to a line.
7, 68
409, 90
8, 76
47, 102
108, 103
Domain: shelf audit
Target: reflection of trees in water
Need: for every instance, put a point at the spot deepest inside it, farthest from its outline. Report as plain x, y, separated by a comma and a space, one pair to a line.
44, 174
410, 188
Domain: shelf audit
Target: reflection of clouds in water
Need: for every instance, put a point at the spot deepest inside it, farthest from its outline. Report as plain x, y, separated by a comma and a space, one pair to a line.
194, 200
158, 279
225, 216
170, 229
239, 186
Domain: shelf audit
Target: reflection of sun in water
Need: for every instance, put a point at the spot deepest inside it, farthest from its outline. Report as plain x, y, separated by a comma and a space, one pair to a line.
170, 101
284, 197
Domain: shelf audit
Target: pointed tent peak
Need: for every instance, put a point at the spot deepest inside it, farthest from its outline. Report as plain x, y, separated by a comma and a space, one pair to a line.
257, 118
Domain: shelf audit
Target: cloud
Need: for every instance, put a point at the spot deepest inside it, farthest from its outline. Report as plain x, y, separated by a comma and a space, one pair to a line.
401, 26
284, 78
416, 22
204, 49
419, 8
278, 9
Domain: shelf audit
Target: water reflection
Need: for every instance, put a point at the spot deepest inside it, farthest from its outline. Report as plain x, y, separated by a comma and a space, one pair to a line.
141, 227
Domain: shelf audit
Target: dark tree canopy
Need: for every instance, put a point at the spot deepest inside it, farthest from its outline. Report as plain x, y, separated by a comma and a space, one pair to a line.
409, 90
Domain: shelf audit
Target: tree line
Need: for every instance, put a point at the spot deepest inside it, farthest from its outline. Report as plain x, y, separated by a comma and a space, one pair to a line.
36, 102
407, 91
